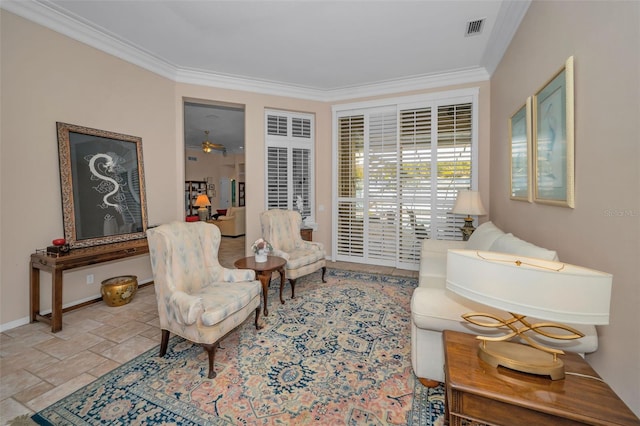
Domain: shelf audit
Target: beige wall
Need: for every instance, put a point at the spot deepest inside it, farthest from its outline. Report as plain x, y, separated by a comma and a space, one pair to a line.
603, 231
47, 77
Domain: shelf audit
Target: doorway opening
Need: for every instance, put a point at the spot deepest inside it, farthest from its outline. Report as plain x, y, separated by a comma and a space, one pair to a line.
214, 140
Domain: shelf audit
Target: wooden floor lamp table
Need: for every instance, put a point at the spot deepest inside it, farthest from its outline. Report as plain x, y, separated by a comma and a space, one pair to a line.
263, 273
478, 393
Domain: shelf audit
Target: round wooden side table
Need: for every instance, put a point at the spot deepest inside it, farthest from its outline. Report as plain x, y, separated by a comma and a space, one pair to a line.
263, 272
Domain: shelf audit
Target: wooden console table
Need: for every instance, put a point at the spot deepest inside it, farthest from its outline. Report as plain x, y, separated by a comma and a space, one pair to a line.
76, 258
478, 393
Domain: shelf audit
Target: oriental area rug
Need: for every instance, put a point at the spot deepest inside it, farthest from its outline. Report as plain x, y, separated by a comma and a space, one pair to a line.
337, 354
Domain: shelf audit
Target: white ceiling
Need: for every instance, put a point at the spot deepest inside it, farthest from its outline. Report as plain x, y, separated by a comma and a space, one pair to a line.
313, 49
224, 123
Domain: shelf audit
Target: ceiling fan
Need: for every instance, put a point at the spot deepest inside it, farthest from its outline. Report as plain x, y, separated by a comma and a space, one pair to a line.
210, 146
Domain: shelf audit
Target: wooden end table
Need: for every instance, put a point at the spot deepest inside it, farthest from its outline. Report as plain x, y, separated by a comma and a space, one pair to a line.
480, 393
263, 272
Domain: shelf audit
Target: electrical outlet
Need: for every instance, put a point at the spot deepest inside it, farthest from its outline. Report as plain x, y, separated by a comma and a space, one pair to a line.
90, 279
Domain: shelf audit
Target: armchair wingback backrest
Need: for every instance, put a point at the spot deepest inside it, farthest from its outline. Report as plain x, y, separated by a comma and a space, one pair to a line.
184, 256
281, 228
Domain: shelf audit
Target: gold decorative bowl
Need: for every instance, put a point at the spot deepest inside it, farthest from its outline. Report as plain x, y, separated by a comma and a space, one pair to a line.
119, 291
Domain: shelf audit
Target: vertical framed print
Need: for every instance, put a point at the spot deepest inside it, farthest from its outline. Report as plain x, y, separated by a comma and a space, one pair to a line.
241, 194
520, 160
553, 136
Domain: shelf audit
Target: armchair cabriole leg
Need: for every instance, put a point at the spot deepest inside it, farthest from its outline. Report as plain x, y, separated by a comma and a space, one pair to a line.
211, 350
164, 342
258, 327
293, 287
324, 270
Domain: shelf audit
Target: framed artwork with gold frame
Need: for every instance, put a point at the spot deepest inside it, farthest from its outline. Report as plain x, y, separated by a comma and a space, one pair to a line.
553, 136
102, 183
520, 160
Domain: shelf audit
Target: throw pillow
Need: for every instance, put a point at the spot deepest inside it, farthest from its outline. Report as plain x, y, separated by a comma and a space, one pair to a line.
484, 236
509, 243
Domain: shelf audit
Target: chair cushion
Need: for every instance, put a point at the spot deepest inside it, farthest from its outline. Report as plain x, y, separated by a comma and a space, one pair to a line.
304, 256
220, 299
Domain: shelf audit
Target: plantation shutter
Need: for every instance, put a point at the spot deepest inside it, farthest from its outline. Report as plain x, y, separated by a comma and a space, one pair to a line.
453, 167
382, 194
289, 170
277, 182
350, 205
399, 169
414, 181
301, 177
277, 125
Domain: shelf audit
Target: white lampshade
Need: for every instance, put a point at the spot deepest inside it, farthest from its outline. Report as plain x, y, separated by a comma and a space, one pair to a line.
469, 203
547, 290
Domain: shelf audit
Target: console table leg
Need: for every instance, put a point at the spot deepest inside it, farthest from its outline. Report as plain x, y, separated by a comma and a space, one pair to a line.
56, 301
34, 292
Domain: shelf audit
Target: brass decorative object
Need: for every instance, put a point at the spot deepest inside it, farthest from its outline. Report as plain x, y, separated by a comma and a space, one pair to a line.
534, 359
119, 291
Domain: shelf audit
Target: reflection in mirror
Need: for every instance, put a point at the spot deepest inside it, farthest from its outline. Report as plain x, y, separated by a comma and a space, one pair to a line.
102, 180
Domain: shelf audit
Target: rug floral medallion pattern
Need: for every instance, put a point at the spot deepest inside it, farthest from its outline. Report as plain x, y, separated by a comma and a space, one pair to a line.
339, 353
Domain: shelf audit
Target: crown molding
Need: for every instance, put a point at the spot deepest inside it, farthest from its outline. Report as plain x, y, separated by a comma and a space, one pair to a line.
409, 84
47, 14
223, 81
510, 16
202, 78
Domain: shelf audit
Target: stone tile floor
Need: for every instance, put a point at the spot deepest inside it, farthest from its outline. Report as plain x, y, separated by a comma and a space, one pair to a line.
38, 367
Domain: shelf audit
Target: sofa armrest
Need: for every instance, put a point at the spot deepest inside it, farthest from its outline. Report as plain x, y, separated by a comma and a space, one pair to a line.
441, 246
433, 262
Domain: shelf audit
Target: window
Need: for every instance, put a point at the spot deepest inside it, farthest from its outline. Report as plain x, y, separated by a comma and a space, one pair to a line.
399, 168
290, 177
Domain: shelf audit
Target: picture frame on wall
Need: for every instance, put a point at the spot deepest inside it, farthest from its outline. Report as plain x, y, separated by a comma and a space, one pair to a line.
553, 136
520, 159
103, 187
241, 194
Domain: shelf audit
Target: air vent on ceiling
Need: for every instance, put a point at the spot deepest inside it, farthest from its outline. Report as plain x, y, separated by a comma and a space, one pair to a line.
474, 27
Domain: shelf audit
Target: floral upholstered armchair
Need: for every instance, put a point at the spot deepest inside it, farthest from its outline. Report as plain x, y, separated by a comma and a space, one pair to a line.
282, 229
198, 299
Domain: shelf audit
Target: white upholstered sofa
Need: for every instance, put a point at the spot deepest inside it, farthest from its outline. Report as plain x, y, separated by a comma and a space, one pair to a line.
435, 309
232, 224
